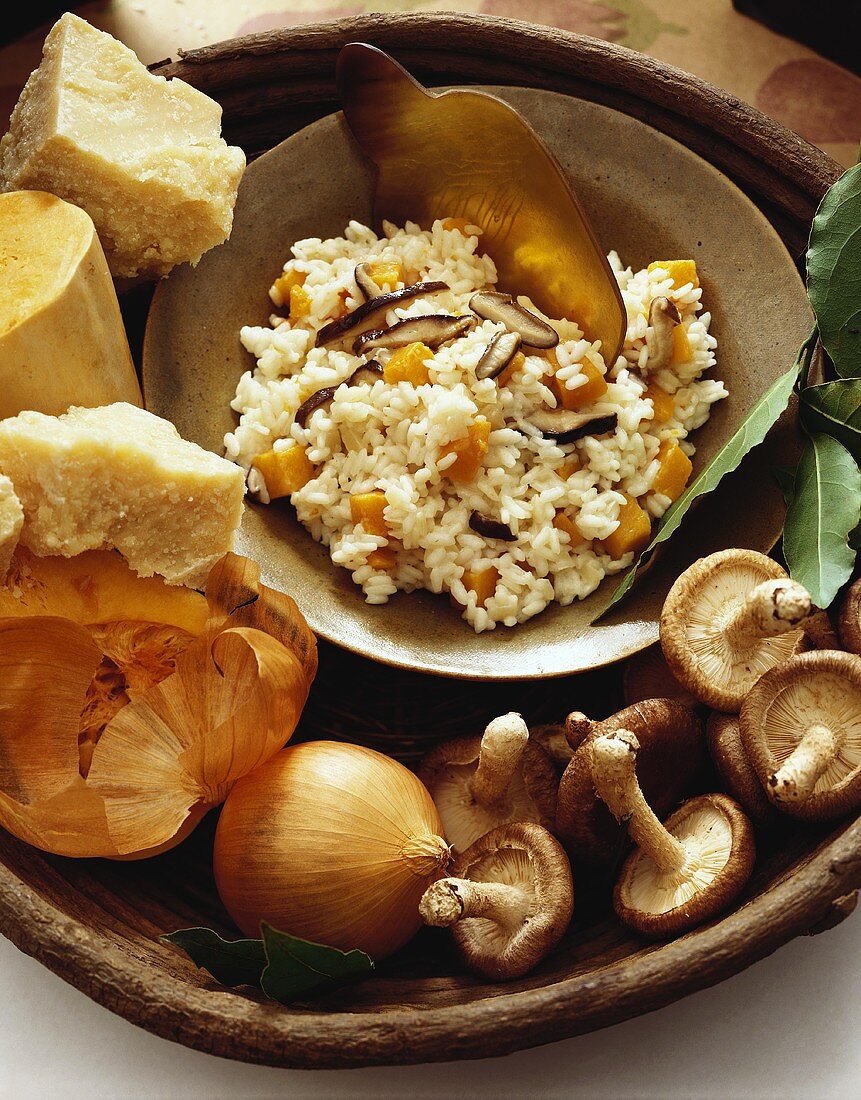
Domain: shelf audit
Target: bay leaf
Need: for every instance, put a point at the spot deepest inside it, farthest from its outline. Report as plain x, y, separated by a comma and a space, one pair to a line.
786, 480
834, 272
298, 967
825, 511
750, 433
834, 408
231, 962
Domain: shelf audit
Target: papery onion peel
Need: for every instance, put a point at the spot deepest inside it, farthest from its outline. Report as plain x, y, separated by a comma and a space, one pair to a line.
116, 736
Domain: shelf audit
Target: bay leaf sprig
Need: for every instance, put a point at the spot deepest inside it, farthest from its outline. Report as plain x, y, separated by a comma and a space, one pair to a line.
285, 967
822, 532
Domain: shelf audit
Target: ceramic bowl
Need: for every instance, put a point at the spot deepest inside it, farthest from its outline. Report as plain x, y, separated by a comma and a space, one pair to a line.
648, 197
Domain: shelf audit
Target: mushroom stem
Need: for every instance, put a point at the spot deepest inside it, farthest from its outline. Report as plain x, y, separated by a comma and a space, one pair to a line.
615, 777
450, 899
772, 608
795, 779
502, 745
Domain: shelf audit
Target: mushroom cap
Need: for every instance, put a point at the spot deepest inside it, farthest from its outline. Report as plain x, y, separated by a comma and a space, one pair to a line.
720, 854
822, 686
849, 618
524, 855
552, 739
447, 770
671, 756
693, 638
723, 736
647, 676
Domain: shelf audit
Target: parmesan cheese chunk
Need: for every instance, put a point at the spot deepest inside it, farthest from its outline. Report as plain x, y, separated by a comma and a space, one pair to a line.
11, 521
142, 155
118, 476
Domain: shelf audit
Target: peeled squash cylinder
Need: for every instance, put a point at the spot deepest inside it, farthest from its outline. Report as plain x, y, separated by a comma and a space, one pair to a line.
330, 842
62, 339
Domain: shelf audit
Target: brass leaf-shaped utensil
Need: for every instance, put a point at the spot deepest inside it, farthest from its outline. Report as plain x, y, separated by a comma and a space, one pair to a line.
466, 154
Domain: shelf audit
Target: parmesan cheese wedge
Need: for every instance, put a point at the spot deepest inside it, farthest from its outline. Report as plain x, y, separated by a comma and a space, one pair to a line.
11, 522
142, 155
62, 339
121, 477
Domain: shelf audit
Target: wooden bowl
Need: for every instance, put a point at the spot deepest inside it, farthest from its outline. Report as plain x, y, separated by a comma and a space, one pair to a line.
97, 923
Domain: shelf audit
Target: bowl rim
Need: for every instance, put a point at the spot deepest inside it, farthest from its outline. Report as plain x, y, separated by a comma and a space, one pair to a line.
217, 1021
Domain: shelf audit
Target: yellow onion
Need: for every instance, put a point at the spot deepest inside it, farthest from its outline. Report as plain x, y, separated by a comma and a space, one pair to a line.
332, 843
130, 708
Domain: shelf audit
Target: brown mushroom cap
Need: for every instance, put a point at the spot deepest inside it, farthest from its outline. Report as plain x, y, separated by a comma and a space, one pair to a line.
647, 676
552, 738
801, 730
672, 755
506, 930
849, 618
720, 854
449, 772
723, 736
728, 619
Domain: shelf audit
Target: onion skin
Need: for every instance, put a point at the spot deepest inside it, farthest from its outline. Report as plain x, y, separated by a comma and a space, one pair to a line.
332, 843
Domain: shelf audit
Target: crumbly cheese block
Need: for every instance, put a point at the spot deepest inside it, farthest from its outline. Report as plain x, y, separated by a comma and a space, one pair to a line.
62, 340
142, 155
11, 522
120, 477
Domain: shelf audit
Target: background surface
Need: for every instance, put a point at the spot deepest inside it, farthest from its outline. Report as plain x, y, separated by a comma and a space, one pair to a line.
787, 1027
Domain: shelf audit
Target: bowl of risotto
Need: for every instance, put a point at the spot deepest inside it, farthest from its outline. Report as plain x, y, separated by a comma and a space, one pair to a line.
445, 478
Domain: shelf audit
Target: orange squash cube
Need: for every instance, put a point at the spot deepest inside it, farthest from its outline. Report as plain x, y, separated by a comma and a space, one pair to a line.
680, 271
367, 509
385, 273
470, 451
594, 387
663, 403
300, 303
482, 582
633, 532
284, 284
563, 522
571, 466
408, 365
285, 472
384, 558
517, 362
682, 352
675, 469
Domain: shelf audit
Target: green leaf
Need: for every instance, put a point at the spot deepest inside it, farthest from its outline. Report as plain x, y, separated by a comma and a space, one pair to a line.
750, 434
231, 962
825, 511
834, 272
786, 480
834, 408
298, 967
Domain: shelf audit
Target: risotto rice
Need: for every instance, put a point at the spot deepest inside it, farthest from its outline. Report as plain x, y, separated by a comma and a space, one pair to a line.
561, 502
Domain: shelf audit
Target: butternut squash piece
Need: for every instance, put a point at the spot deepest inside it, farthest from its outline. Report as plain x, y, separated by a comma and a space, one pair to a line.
408, 365
284, 284
385, 273
285, 472
567, 469
633, 532
662, 402
517, 363
367, 509
680, 271
563, 522
300, 303
594, 387
682, 352
470, 451
674, 471
384, 558
482, 582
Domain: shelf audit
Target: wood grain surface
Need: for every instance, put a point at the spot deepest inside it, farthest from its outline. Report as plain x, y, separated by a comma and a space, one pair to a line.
97, 924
